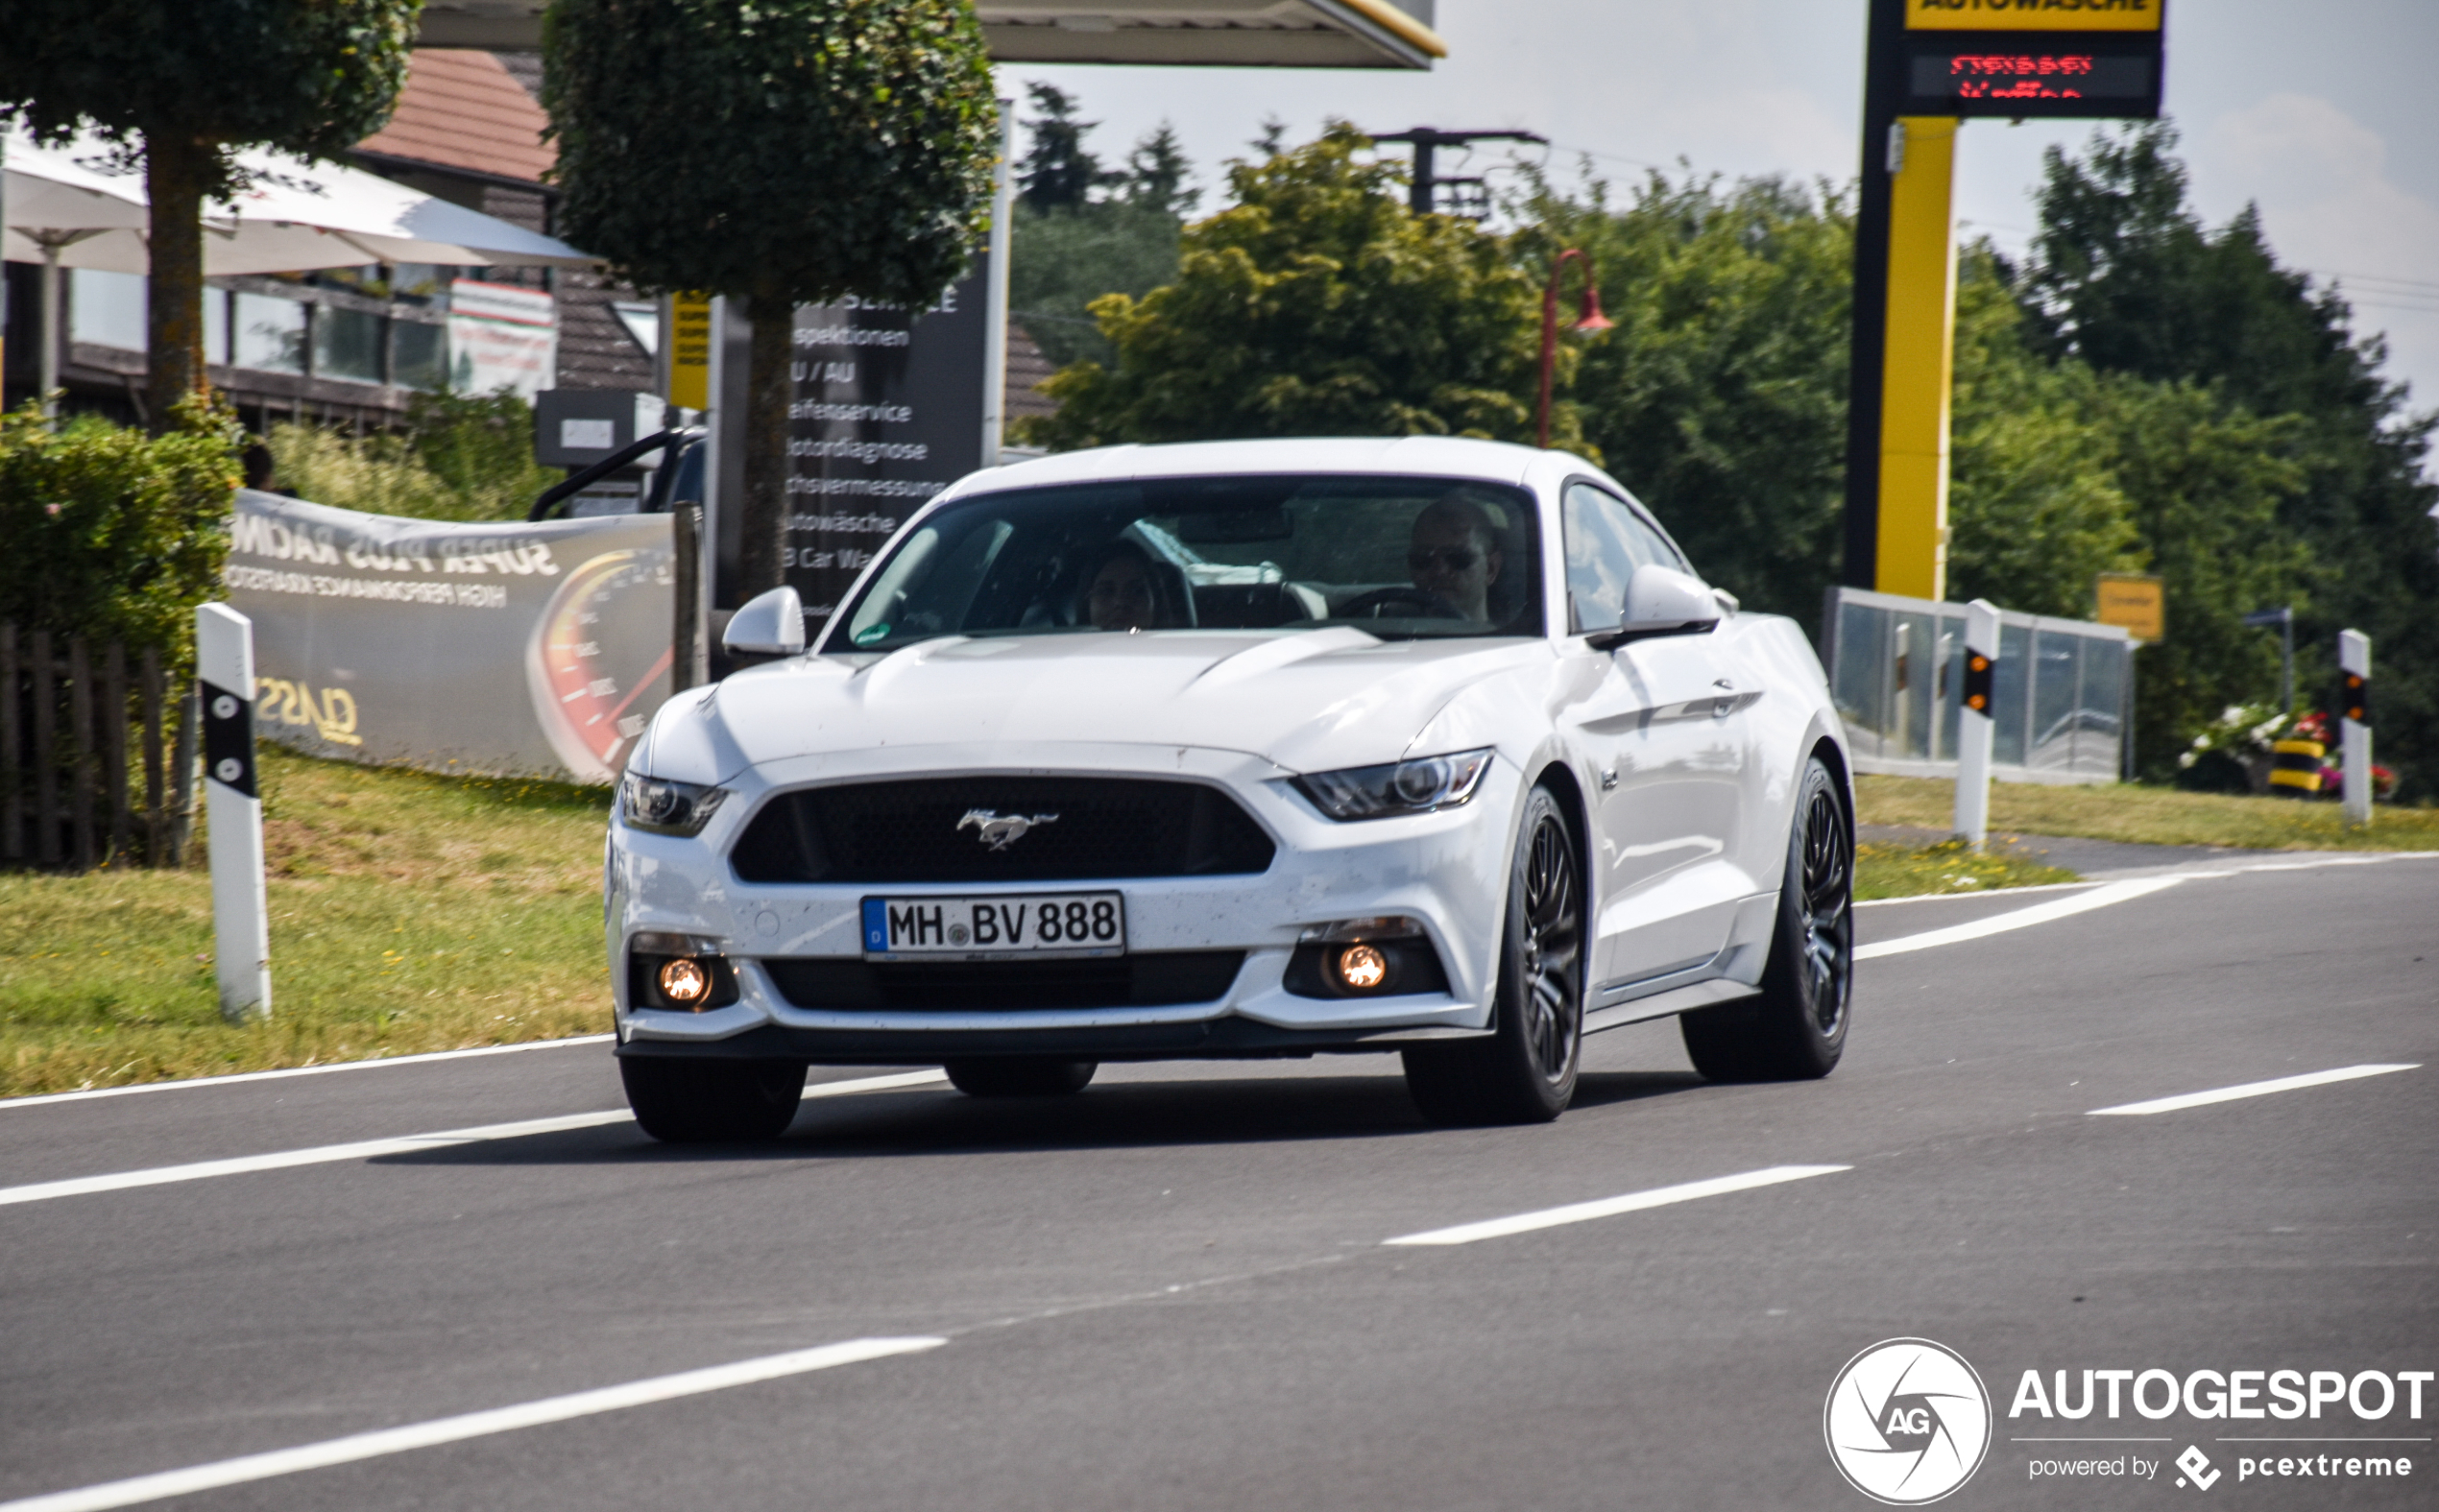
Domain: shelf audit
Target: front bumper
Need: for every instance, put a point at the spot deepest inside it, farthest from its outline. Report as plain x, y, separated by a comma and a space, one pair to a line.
1447, 870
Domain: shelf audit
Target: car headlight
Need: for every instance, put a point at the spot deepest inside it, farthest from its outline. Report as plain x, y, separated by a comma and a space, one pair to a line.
1417, 786
667, 808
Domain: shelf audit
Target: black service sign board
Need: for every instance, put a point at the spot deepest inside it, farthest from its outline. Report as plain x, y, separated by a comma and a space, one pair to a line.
887, 411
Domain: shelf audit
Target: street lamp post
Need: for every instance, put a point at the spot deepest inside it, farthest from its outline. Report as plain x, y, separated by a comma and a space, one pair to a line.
1588, 318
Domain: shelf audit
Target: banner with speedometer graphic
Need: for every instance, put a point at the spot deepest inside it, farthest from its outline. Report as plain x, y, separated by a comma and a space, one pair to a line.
506, 649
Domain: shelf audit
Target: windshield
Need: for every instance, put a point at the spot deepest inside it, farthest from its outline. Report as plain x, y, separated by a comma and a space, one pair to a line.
1404, 558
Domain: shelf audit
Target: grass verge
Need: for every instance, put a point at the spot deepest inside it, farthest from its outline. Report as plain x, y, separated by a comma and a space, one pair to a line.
408, 913
1895, 870
2141, 815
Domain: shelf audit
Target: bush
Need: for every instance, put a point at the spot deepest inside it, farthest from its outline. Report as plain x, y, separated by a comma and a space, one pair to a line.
461, 457
110, 532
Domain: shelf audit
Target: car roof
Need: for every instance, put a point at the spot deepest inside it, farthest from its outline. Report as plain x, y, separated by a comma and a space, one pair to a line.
1421, 456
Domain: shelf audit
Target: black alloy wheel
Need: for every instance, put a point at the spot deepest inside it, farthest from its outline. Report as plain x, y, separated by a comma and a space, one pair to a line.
1795, 1029
1525, 1070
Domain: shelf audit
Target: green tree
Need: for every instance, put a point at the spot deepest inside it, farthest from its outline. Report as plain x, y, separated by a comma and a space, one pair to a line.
112, 534
1058, 172
2124, 277
2035, 513
1316, 304
183, 86
2206, 482
784, 152
1720, 398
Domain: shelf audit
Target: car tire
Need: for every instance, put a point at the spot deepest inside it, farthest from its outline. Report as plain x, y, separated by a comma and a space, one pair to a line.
1021, 1076
688, 1101
1525, 1072
1796, 1028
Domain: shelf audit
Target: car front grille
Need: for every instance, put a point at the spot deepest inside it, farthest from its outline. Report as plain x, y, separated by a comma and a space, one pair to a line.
927, 829
1154, 980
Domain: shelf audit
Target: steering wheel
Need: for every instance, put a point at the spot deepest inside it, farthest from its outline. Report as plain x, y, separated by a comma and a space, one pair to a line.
1371, 600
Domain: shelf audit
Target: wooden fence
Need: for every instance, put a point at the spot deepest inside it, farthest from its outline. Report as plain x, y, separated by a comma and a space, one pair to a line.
92, 772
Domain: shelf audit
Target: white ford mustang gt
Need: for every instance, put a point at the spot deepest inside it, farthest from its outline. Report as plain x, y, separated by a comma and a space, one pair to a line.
1240, 749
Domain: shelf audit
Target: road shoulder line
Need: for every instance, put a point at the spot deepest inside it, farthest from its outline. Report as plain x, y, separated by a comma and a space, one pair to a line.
86, 1095
2101, 897
397, 1144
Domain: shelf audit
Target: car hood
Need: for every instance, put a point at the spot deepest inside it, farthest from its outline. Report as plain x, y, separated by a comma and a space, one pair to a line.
1306, 700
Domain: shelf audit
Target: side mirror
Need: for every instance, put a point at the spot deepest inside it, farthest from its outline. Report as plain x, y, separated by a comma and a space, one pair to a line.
771, 624
1661, 601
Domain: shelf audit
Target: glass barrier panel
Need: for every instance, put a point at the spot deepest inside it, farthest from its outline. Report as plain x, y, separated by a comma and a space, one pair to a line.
2056, 659
346, 345
107, 309
2011, 683
1862, 655
2100, 732
270, 333
418, 354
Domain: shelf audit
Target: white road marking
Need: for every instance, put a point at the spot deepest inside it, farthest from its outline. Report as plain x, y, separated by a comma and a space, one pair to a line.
2203, 1099
470, 1425
2191, 872
2100, 897
402, 1144
1986, 891
301, 1071
1609, 1207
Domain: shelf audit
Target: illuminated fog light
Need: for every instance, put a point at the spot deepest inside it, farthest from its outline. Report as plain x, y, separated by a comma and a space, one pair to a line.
1363, 967
684, 982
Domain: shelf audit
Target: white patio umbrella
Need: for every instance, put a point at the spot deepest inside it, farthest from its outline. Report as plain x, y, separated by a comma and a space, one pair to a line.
75, 205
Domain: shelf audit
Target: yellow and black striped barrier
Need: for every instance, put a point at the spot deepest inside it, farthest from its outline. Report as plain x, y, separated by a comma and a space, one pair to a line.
2295, 767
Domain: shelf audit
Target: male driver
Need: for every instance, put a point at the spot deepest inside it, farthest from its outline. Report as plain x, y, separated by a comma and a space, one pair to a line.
1455, 555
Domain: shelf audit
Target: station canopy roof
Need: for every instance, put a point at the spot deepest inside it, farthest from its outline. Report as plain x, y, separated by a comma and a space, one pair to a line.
1277, 33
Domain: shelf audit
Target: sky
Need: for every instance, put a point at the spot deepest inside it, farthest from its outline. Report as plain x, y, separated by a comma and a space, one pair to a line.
2320, 113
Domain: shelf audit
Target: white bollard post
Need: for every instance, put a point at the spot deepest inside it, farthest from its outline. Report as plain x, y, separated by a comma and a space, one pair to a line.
1976, 724
241, 927
2353, 659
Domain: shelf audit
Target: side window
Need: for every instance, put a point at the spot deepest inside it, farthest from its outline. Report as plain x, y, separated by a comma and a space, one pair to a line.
1604, 544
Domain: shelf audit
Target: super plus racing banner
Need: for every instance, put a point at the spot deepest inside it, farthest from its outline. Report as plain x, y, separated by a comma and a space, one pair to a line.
525, 649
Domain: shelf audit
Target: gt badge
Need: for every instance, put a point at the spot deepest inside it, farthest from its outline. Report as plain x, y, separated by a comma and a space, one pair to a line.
999, 830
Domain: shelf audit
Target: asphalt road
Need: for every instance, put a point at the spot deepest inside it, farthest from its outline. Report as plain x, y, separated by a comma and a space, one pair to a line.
1174, 1291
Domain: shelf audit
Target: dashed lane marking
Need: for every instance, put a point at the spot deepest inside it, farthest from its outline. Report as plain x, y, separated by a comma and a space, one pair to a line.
404, 1145
1610, 1207
2203, 1099
2101, 897
470, 1425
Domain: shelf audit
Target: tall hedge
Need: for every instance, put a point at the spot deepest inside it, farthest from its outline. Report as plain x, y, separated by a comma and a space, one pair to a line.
112, 534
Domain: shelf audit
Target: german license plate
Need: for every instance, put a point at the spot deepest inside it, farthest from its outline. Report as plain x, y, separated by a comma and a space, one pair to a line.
997, 928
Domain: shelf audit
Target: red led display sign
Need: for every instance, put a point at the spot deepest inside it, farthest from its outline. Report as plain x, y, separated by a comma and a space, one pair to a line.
2093, 74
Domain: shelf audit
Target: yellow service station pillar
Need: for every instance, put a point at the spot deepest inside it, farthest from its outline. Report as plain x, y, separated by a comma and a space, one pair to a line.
1921, 358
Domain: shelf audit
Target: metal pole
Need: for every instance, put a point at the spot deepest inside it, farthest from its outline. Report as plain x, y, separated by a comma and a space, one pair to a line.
47, 340
2287, 649
1975, 726
2353, 659
224, 663
995, 303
